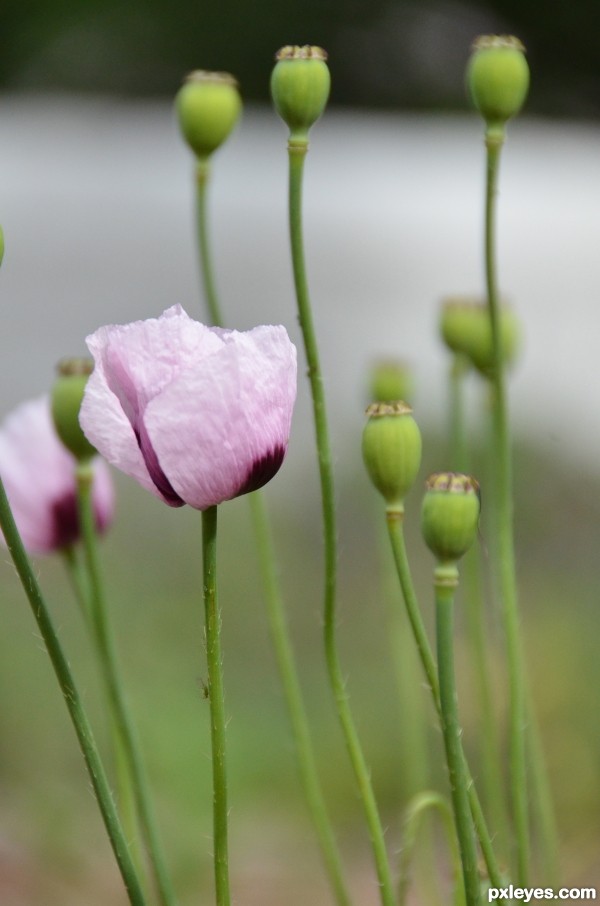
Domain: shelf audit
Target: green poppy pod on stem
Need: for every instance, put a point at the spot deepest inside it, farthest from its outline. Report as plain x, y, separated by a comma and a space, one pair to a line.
450, 514
466, 328
390, 381
300, 84
498, 77
208, 106
66, 398
391, 447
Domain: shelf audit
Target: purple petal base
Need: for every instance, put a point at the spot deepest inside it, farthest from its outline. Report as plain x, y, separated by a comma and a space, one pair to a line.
262, 470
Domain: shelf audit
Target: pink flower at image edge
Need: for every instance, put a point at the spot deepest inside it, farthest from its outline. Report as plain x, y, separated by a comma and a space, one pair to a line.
195, 414
39, 477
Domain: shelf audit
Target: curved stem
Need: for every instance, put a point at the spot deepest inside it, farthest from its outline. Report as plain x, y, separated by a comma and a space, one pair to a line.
288, 671
428, 800
297, 154
72, 700
217, 704
208, 279
293, 694
505, 531
396, 533
459, 780
110, 672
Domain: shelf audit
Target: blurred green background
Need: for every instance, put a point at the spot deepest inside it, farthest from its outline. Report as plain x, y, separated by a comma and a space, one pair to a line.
403, 56
393, 53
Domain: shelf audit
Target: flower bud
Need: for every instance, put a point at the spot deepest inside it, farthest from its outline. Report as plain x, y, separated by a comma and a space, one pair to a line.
66, 398
391, 381
208, 106
466, 328
498, 78
391, 447
300, 85
450, 514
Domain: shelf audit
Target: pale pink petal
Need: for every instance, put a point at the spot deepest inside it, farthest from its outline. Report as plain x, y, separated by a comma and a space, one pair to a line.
221, 428
133, 363
39, 477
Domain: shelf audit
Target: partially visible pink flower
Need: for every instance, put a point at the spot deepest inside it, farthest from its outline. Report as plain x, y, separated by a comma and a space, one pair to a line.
195, 414
39, 477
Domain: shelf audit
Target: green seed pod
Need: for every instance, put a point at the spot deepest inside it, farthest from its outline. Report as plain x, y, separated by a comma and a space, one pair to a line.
391, 447
208, 106
450, 514
66, 398
466, 328
498, 78
300, 84
391, 381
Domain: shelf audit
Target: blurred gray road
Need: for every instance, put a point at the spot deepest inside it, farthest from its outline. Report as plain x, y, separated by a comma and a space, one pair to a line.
97, 207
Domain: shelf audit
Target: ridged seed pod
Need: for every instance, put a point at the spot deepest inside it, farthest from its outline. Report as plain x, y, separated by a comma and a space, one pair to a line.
498, 77
391, 381
208, 106
466, 328
300, 84
391, 447
66, 399
450, 514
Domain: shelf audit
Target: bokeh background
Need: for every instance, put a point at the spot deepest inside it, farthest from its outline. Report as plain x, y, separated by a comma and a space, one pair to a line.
96, 198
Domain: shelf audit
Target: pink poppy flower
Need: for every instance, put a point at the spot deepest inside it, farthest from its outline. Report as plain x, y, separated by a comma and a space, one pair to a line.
195, 414
39, 477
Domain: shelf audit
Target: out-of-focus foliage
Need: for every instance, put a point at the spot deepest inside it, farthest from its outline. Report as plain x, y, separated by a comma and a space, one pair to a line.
399, 53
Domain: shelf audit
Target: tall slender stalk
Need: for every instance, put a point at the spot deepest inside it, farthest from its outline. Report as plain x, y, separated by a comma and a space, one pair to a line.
297, 155
505, 529
396, 534
206, 266
73, 702
217, 705
457, 769
491, 767
110, 672
278, 627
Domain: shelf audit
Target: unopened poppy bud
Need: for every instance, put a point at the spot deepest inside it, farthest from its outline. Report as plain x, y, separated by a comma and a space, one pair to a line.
208, 106
466, 328
391, 381
391, 447
450, 514
498, 78
66, 398
300, 85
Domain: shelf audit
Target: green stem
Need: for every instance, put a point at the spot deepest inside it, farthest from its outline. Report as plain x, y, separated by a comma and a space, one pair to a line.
458, 433
396, 533
208, 279
280, 636
420, 804
297, 154
125, 797
118, 707
72, 700
217, 704
293, 694
491, 766
459, 779
505, 531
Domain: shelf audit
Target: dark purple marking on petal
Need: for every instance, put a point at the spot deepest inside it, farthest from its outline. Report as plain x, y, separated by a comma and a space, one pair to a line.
262, 470
156, 473
65, 521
